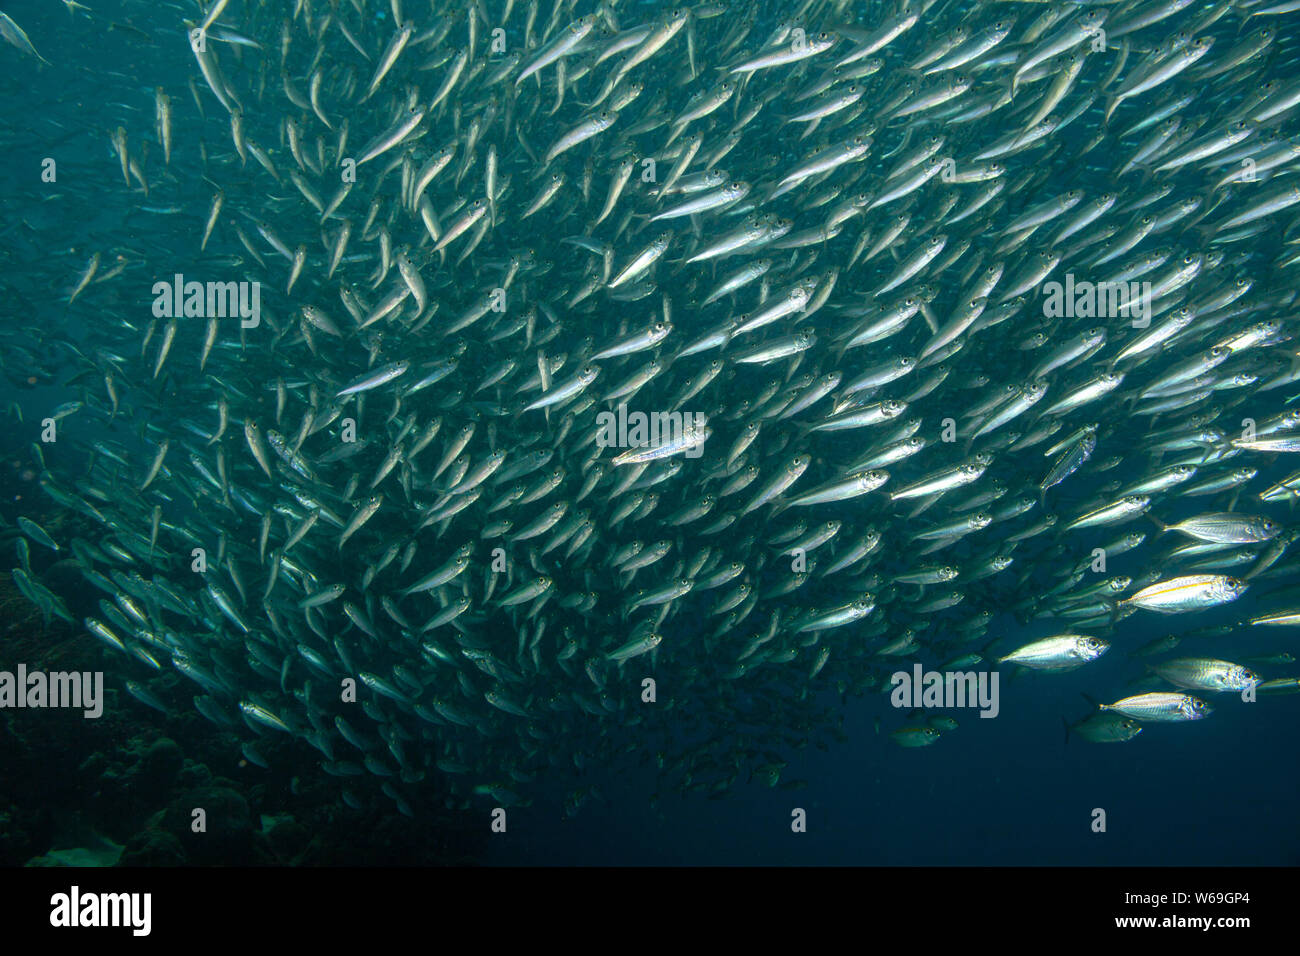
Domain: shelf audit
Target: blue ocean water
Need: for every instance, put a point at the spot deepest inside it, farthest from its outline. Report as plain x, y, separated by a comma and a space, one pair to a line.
1002, 791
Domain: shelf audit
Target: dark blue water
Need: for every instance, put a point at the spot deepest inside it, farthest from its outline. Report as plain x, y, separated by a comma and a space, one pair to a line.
1007, 790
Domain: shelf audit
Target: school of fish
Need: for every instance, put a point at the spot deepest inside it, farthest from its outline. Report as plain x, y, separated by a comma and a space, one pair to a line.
393, 517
